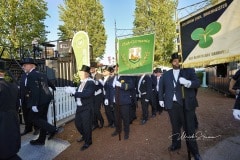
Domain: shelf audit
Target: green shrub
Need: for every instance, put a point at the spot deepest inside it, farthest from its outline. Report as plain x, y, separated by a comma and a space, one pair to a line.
200, 76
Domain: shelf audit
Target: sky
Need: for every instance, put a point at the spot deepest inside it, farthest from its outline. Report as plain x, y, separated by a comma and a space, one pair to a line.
119, 11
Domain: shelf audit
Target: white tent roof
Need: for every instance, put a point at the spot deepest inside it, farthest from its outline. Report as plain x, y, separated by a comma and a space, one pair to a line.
226, 43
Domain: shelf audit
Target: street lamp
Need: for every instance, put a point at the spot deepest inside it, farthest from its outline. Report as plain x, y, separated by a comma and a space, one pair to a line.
35, 47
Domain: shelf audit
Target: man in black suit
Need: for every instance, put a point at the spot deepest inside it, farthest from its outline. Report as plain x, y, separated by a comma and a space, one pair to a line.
98, 97
235, 90
122, 99
10, 139
177, 93
145, 95
108, 97
155, 88
28, 125
39, 98
84, 98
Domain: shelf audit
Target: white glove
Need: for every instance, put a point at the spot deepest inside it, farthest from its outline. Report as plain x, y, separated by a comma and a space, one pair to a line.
185, 82
236, 114
237, 91
146, 100
70, 90
118, 84
138, 95
106, 102
161, 103
34, 109
101, 81
96, 82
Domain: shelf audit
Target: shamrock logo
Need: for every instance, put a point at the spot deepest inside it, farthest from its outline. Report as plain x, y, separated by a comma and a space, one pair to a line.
204, 37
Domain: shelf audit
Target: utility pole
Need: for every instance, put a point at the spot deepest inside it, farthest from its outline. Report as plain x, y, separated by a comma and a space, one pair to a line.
115, 29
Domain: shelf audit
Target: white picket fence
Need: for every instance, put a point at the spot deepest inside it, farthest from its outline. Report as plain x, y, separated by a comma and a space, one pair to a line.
65, 107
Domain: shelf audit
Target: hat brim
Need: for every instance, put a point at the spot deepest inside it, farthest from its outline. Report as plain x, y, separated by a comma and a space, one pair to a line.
28, 63
85, 71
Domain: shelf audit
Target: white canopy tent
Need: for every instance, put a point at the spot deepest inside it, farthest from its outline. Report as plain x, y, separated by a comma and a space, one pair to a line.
226, 43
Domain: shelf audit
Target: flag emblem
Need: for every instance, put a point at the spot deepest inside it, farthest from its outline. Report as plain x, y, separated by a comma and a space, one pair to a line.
134, 54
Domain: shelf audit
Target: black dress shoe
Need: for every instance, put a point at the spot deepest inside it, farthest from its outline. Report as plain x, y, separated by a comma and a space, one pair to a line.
154, 115
111, 125
80, 139
126, 136
36, 132
85, 146
101, 124
25, 132
94, 127
37, 142
133, 120
143, 122
114, 134
174, 147
197, 157
52, 134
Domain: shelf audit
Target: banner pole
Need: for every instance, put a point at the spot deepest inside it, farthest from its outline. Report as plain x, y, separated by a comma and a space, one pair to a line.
184, 116
117, 90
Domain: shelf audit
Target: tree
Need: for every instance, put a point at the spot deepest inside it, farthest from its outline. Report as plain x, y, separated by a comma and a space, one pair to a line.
21, 22
157, 16
82, 15
214, 1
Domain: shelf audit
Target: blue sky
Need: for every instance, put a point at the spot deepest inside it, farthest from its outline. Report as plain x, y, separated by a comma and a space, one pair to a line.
121, 11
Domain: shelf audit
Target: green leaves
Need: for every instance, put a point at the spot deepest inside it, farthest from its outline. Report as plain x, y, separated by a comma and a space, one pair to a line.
82, 15
204, 36
21, 22
156, 17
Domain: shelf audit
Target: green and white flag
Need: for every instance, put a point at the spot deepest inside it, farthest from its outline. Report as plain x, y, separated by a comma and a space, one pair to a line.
80, 44
136, 54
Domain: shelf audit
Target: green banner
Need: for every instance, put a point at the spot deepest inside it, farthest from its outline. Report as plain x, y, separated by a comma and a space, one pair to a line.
80, 44
135, 55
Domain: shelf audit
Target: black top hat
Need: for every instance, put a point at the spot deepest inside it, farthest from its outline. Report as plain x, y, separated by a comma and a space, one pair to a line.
3, 65
28, 61
93, 64
115, 65
85, 69
158, 70
174, 56
108, 68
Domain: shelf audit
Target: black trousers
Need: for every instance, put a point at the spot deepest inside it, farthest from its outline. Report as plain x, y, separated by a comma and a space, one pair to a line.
155, 102
97, 115
83, 122
40, 120
132, 111
27, 121
176, 115
14, 157
109, 110
237, 102
144, 105
122, 117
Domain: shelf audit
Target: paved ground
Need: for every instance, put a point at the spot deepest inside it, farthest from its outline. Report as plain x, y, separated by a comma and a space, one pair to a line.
46, 152
228, 149
215, 119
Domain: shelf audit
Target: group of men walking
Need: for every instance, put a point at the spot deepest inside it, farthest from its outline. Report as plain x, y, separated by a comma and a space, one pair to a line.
173, 90
34, 97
